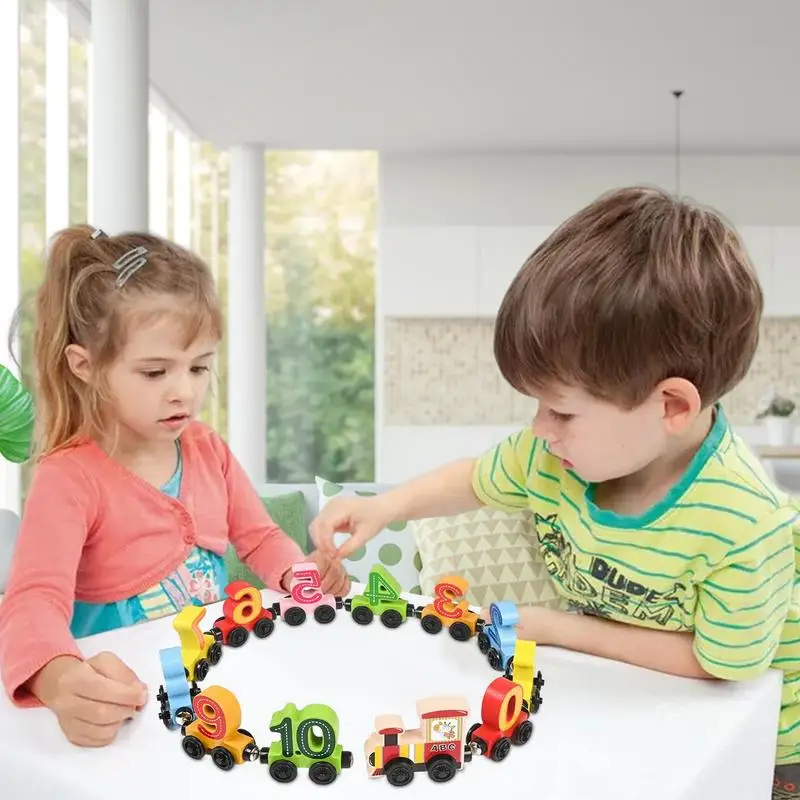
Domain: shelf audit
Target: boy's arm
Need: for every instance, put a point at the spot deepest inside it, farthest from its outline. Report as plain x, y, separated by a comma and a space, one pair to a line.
742, 605
36, 611
741, 608
664, 651
266, 549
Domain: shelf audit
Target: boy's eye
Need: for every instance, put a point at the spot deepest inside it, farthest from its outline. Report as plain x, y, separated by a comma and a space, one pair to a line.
560, 417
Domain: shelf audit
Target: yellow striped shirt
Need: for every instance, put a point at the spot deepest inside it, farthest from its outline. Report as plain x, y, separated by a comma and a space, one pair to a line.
717, 555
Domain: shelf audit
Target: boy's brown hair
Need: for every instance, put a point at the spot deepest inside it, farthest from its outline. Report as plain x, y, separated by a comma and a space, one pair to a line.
635, 288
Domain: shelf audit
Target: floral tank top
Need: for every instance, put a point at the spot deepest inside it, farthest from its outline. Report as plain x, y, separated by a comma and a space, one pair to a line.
199, 580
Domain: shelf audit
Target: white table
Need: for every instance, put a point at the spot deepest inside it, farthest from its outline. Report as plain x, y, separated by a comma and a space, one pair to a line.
604, 730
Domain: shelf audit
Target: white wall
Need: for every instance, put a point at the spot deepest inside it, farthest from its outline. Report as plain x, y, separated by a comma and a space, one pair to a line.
454, 229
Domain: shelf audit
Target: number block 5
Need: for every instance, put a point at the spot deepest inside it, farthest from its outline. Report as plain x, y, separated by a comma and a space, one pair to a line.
307, 595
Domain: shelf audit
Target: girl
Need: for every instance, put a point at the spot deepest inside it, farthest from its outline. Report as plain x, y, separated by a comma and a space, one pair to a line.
133, 502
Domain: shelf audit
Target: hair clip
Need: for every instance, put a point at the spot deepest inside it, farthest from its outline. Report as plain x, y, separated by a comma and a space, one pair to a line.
99, 233
126, 265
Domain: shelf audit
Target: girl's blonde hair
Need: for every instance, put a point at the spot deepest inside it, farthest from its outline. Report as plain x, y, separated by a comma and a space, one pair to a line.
80, 302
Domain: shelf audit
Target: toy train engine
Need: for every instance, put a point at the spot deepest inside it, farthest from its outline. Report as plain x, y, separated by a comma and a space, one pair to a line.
496, 641
437, 747
307, 594
307, 741
216, 730
242, 612
504, 720
381, 597
175, 694
450, 609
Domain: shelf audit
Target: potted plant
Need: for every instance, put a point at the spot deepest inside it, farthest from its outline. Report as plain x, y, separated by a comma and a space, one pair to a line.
778, 411
16, 418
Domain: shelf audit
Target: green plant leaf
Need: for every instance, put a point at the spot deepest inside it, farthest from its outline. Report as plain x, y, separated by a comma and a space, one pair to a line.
16, 418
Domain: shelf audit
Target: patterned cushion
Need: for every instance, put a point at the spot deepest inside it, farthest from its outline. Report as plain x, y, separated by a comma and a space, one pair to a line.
495, 552
288, 511
393, 546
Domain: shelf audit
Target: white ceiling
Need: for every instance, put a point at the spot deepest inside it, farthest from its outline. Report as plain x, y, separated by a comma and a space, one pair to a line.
457, 75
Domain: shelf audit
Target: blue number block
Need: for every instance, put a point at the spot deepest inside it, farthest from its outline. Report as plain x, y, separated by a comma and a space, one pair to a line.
498, 638
175, 694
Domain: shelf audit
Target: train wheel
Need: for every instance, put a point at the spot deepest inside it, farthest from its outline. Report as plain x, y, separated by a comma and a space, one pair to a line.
479, 743
399, 772
538, 681
460, 631
501, 749
283, 771
215, 653
363, 615
263, 628
222, 758
509, 672
347, 759
494, 659
523, 733
237, 637
295, 616
483, 643
324, 614
442, 768
184, 715
201, 670
193, 747
431, 624
536, 702
391, 618
322, 773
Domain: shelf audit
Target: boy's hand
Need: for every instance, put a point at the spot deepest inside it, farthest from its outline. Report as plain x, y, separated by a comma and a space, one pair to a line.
536, 623
91, 699
361, 517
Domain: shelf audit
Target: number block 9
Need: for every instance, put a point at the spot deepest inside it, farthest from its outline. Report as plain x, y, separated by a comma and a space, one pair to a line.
308, 740
450, 609
216, 730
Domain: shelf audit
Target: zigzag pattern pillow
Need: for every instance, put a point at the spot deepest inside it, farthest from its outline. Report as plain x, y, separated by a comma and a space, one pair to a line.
495, 552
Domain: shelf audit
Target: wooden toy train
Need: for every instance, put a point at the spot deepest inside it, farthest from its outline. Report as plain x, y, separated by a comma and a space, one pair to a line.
210, 719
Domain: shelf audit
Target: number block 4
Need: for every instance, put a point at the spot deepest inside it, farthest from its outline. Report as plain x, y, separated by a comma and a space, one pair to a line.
308, 740
382, 597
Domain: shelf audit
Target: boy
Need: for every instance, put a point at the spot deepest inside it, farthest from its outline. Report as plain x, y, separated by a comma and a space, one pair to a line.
628, 325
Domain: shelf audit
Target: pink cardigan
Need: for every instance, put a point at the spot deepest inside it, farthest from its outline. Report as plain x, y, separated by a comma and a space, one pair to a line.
93, 531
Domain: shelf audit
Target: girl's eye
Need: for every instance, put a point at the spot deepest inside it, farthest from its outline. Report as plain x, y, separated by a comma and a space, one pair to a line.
560, 417
153, 373
199, 370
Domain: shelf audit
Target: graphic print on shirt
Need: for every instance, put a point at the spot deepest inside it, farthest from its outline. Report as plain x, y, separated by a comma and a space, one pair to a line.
600, 588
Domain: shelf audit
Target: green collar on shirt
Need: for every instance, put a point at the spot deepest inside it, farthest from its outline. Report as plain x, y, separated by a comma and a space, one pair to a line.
611, 519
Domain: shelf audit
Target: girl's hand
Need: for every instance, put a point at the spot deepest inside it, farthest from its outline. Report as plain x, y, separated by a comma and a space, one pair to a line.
92, 699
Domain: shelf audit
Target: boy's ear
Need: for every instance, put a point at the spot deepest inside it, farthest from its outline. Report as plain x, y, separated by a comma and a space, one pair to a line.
79, 363
680, 403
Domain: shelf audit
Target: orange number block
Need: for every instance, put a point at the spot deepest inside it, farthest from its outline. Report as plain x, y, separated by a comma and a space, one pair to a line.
450, 609
216, 730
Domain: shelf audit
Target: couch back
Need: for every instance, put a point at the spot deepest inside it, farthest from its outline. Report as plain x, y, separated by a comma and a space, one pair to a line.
310, 492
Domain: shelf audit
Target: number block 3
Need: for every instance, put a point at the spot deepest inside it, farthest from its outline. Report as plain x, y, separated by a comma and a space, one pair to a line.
450, 609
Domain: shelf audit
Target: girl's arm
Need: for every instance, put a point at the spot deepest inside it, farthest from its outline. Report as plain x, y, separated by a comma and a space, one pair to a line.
36, 611
258, 541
